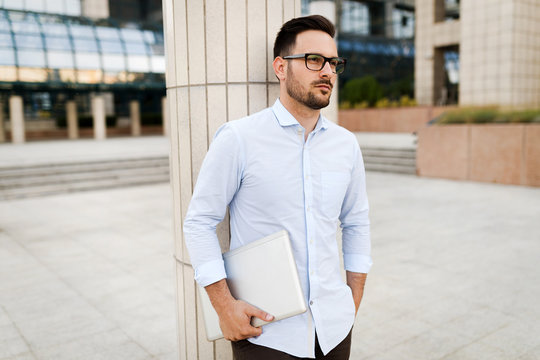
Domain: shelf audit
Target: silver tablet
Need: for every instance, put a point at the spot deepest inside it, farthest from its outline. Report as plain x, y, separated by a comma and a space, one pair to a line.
262, 273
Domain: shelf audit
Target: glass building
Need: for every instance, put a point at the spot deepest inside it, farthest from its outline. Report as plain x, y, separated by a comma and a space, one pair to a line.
49, 54
377, 38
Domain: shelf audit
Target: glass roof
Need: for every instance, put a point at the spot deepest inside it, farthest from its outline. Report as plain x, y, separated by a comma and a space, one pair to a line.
96, 52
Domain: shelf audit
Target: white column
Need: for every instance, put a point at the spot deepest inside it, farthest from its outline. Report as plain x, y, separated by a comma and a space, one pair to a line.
72, 120
219, 55
97, 9
327, 9
98, 115
165, 116
2, 128
135, 115
16, 118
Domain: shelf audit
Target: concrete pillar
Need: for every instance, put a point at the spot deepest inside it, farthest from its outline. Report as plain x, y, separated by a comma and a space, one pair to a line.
98, 115
389, 19
135, 115
165, 116
16, 117
72, 120
2, 129
97, 9
327, 9
219, 55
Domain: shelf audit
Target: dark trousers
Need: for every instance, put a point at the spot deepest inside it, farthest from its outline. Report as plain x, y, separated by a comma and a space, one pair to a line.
244, 350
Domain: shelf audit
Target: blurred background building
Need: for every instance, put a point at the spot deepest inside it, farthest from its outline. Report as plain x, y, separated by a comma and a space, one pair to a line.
496, 42
377, 38
428, 52
53, 51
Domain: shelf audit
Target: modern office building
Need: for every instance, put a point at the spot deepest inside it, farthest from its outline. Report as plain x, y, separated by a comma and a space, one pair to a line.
377, 38
52, 52
496, 44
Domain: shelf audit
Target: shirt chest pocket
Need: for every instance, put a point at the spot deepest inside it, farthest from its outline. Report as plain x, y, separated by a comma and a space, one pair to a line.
333, 188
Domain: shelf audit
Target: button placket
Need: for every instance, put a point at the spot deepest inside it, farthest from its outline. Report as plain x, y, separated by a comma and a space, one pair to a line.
308, 200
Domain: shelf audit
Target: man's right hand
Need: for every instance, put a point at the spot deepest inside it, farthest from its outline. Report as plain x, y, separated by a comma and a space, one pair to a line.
234, 315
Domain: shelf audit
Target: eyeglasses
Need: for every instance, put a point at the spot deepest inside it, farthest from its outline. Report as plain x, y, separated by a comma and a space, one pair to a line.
316, 62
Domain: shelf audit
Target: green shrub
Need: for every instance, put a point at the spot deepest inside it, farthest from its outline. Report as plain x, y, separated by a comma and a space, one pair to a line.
405, 100
382, 103
488, 115
344, 105
400, 87
362, 89
525, 116
362, 105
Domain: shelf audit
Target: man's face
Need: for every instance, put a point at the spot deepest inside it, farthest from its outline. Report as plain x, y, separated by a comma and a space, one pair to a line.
311, 88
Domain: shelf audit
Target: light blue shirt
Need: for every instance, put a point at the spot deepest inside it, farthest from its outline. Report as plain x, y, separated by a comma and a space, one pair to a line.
271, 179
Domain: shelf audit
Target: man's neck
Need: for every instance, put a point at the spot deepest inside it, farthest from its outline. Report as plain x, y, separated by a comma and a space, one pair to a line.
305, 116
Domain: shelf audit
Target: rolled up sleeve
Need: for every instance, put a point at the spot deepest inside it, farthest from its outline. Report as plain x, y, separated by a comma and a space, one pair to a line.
218, 181
355, 220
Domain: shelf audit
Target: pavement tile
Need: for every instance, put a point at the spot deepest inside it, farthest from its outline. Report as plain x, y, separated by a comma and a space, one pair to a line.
533, 354
4, 318
71, 321
476, 351
382, 337
480, 323
432, 344
25, 356
169, 356
110, 345
517, 339
445, 310
11, 342
150, 326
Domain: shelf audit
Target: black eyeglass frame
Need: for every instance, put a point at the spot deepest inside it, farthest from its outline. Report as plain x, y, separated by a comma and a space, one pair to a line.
326, 60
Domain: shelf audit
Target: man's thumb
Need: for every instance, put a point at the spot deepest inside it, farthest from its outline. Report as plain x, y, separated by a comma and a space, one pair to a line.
261, 314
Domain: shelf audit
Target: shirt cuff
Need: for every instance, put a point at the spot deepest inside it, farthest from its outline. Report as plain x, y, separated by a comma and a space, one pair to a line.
210, 272
357, 263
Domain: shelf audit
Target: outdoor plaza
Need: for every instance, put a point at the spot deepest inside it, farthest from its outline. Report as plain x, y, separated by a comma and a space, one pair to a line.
90, 275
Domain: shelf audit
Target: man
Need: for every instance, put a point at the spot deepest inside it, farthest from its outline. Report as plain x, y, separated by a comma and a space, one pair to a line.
287, 167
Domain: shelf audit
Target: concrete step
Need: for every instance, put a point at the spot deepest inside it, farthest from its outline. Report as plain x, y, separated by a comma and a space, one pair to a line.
82, 166
55, 178
393, 160
389, 152
397, 169
51, 189
82, 176
389, 160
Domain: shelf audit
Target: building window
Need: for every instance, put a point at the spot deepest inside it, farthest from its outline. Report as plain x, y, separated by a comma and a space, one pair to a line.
354, 18
402, 24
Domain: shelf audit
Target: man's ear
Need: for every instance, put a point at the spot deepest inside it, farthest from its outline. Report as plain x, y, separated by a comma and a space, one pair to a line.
280, 67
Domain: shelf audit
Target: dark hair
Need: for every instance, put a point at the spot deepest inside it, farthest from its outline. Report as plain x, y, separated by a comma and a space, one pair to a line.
286, 37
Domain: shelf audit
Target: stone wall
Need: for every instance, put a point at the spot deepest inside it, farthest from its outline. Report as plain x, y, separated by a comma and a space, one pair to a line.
401, 120
506, 153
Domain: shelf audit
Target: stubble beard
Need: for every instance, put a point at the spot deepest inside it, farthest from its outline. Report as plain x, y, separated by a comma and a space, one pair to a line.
307, 98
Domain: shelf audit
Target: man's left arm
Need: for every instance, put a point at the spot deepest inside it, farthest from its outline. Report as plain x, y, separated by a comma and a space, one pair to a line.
355, 229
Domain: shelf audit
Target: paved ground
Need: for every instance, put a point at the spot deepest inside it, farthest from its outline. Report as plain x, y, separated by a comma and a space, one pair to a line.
386, 140
89, 275
456, 276
46, 152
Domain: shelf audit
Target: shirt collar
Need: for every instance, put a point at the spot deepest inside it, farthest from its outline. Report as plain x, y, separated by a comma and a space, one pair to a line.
285, 118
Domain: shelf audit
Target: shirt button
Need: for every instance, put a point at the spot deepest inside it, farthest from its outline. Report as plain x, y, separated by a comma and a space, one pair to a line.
311, 302
308, 208
311, 241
